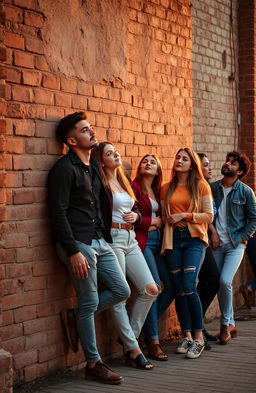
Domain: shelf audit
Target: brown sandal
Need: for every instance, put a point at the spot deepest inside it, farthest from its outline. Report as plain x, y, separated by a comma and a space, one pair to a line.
156, 352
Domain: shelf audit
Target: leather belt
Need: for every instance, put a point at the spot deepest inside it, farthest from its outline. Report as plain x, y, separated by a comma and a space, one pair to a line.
118, 225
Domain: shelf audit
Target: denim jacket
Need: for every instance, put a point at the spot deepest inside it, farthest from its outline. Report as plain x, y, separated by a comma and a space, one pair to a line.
241, 210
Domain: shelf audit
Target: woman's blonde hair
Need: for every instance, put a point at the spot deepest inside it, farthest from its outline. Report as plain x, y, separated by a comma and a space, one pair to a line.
194, 178
97, 154
158, 178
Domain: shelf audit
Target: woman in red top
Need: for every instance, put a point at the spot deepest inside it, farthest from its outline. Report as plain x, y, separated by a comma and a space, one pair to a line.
146, 188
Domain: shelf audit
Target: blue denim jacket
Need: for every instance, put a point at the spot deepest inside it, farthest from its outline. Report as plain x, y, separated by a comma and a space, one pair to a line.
241, 210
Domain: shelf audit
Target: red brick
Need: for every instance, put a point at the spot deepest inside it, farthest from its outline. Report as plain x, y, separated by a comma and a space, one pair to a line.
45, 310
54, 147
9, 287
69, 85
15, 145
41, 63
13, 179
43, 268
51, 82
79, 102
54, 114
12, 301
34, 297
33, 19
34, 283
34, 45
18, 270
94, 104
84, 89
44, 97
24, 127
41, 324
25, 254
51, 352
22, 93
23, 59
15, 345
12, 110
63, 99
35, 341
100, 91
8, 318
35, 146
31, 78
35, 371
126, 136
11, 331
15, 213
25, 359
13, 14
25, 313
102, 120
14, 40
3, 54
109, 107
35, 112
34, 179
23, 196
131, 150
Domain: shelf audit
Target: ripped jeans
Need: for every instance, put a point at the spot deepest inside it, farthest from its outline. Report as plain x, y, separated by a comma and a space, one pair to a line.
184, 264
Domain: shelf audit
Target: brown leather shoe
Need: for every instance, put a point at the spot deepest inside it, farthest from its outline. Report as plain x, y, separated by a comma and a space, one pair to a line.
69, 322
102, 373
156, 352
233, 331
224, 336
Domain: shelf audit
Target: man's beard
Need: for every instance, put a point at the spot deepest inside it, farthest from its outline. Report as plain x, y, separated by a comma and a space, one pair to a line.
227, 172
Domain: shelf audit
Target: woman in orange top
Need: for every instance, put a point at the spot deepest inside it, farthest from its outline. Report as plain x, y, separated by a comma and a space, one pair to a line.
187, 211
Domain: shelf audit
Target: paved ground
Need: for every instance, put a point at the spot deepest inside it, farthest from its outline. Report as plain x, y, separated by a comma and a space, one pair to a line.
225, 369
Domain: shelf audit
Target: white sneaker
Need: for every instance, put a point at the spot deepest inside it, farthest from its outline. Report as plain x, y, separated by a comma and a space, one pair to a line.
184, 345
195, 350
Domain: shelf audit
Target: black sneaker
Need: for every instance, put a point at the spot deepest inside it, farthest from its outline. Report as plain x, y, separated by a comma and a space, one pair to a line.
207, 346
195, 350
209, 336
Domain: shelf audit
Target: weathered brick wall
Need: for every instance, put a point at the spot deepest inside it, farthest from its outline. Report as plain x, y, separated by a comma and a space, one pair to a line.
216, 95
215, 56
147, 108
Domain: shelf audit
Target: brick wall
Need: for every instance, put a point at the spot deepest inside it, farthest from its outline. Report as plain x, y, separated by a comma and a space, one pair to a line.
217, 96
215, 57
148, 111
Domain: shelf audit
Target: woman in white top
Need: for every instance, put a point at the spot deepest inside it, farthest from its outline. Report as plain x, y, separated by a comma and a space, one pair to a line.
129, 255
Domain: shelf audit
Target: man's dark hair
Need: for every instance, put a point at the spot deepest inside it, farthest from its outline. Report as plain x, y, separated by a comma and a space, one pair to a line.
67, 124
202, 156
243, 161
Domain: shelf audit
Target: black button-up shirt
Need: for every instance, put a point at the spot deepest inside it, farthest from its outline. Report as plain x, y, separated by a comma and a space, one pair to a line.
75, 200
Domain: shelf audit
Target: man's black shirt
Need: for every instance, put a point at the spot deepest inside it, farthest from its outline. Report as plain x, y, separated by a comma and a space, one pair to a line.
75, 200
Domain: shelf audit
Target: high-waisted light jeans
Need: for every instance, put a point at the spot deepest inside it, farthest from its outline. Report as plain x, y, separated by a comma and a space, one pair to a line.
135, 268
105, 267
228, 259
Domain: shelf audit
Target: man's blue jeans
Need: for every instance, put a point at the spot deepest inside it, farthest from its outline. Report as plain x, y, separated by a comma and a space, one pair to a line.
159, 270
105, 267
184, 262
227, 259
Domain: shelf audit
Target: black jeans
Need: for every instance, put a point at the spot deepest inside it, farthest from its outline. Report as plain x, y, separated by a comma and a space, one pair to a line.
209, 277
251, 253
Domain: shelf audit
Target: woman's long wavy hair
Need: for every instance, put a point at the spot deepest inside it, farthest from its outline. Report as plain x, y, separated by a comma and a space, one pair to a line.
195, 176
158, 179
97, 154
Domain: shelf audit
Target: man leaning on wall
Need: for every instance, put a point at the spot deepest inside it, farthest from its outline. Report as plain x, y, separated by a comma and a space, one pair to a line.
76, 197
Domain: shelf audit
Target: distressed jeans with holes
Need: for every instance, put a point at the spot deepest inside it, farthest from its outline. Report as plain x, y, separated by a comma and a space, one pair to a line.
135, 268
184, 263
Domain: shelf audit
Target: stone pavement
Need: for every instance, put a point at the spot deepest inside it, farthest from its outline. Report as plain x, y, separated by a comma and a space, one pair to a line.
224, 369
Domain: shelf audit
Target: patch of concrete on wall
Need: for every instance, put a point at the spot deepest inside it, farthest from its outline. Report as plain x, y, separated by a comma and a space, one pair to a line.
86, 39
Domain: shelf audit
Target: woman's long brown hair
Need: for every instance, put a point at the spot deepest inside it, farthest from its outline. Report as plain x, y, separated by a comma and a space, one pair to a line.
97, 154
193, 179
157, 182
